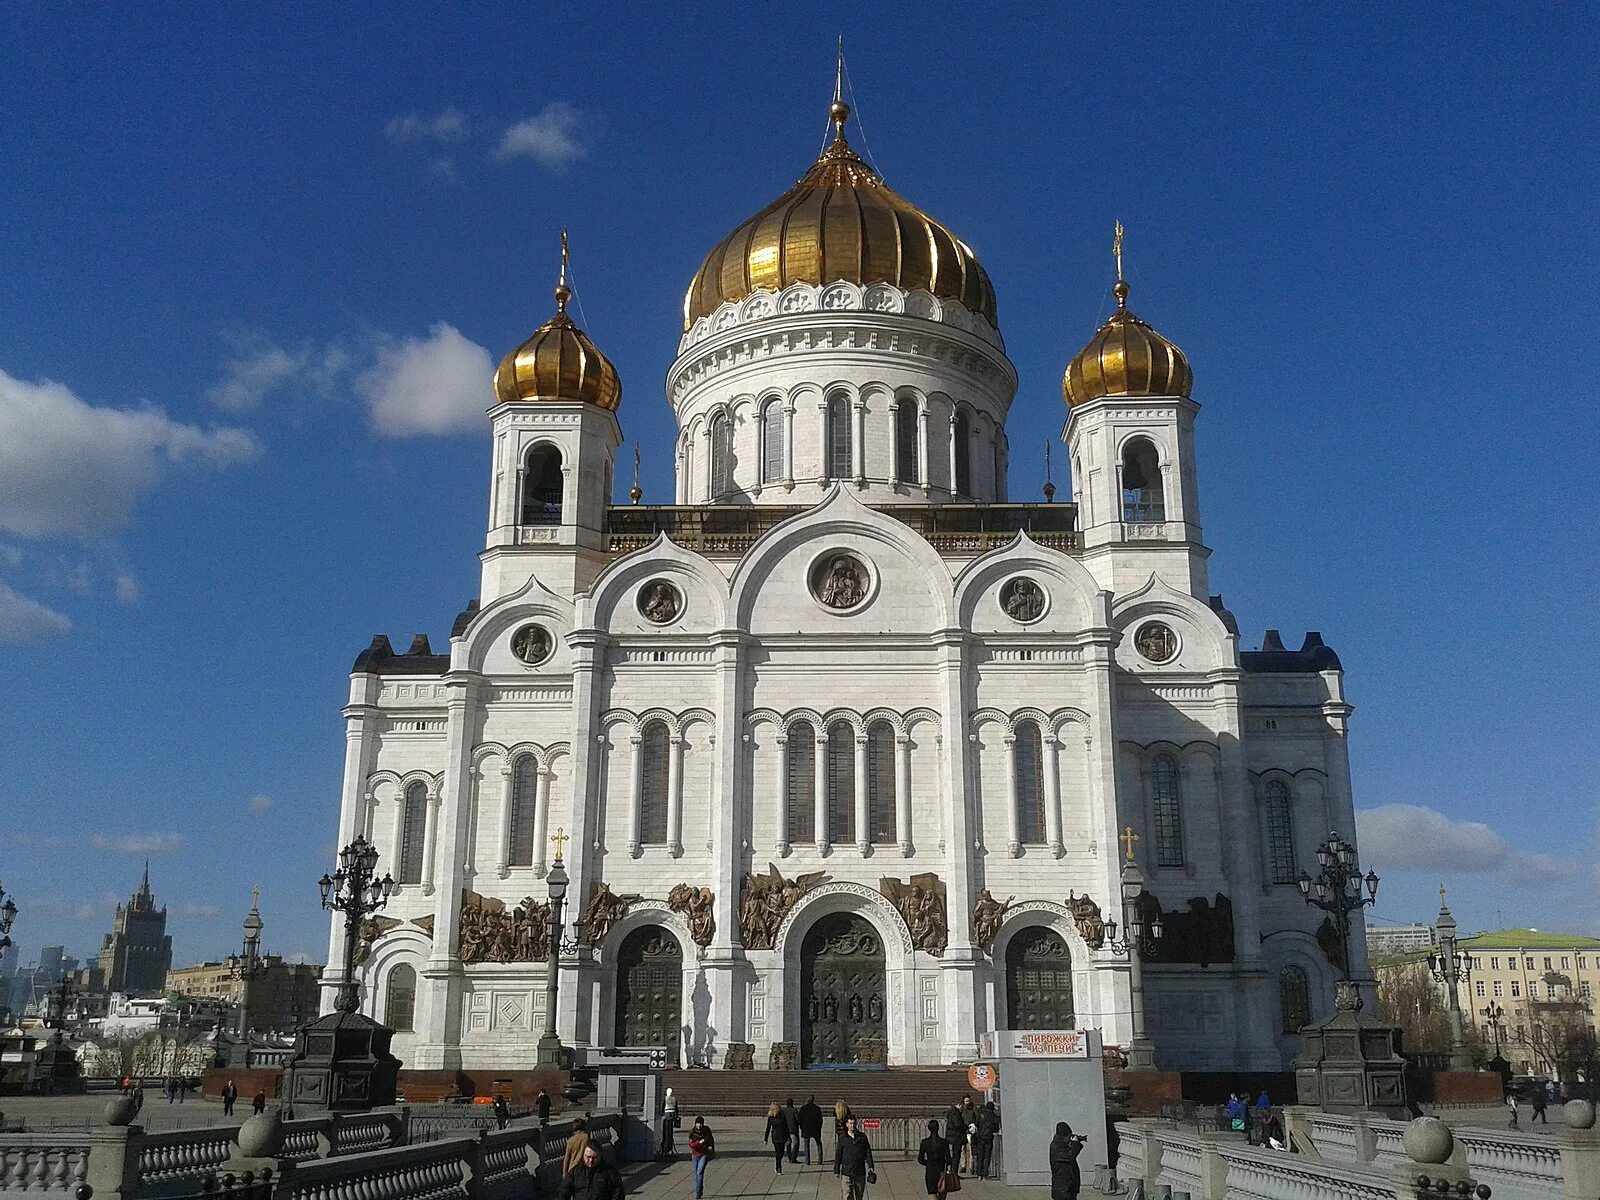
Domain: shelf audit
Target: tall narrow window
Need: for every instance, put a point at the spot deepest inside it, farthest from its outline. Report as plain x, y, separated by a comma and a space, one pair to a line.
1280, 832
1142, 500
542, 486
1030, 783
772, 441
838, 465
413, 832
961, 431
1294, 999
689, 478
999, 471
721, 456
905, 441
801, 785
400, 1002
653, 746
1169, 814
841, 784
880, 783
522, 785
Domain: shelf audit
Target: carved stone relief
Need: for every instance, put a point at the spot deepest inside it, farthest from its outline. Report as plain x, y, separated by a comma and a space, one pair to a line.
489, 932
694, 904
604, 910
765, 900
1086, 915
921, 904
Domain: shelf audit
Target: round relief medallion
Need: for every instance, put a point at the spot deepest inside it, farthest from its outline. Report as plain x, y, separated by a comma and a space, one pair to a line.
839, 581
532, 644
1022, 599
1156, 642
659, 602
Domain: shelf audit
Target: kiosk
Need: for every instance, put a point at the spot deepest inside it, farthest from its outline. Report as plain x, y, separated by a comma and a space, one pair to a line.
1043, 1076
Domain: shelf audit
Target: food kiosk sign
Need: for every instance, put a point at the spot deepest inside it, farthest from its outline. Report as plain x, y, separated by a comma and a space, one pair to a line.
1042, 1043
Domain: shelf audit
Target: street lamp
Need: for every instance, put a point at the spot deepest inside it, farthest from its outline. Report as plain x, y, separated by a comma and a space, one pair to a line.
248, 965
1449, 966
355, 890
56, 1003
550, 1053
1494, 1013
8, 917
1337, 890
1140, 941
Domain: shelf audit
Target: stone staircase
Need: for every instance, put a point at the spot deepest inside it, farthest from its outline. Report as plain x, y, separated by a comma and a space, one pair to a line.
897, 1092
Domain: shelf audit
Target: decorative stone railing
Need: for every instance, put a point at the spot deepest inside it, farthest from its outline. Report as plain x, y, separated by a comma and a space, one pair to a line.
1180, 1166
1254, 1174
183, 1154
1523, 1166
435, 1171
42, 1163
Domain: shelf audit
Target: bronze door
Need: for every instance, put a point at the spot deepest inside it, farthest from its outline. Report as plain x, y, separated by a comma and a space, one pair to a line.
1039, 981
650, 990
842, 993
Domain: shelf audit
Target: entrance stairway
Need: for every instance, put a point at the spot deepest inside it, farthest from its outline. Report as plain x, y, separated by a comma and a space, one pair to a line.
897, 1092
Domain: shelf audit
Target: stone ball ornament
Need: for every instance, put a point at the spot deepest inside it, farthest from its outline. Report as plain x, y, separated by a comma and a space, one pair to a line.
840, 581
1428, 1140
121, 1110
262, 1135
1156, 642
1580, 1114
660, 602
533, 644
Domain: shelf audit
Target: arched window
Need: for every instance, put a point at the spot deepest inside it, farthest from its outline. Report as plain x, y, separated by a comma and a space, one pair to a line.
841, 783
1169, 813
905, 441
542, 484
522, 788
721, 455
801, 784
772, 441
1030, 782
880, 783
961, 432
838, 448
655, 749
1294, 999
413, 832
1280, 832
1141, 483
400, 998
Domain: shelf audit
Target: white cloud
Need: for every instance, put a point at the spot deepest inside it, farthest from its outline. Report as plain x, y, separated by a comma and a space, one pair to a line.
439, 384
551, 137
71, 908
1411, 837
259, 803
73, 469
448, 125
259, 368
138, 843
198, 910
25, 622
127, 588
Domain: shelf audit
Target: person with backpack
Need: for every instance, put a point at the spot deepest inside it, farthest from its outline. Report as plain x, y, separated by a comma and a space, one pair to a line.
955, 1132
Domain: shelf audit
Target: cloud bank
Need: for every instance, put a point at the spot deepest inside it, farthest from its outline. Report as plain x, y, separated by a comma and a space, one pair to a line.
25, 622
1411, 837
429, 386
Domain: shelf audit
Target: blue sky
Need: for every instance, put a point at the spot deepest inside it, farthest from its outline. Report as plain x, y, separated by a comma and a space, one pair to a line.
254, 265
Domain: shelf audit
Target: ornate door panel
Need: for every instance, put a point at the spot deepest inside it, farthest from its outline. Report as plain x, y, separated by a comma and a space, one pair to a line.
1039, 981
650, 990
842, 993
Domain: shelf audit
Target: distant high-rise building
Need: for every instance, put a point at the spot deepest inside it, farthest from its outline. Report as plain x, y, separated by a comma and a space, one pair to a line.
136, 955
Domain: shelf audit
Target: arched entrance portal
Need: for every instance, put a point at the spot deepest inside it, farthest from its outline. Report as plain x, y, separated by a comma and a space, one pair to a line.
842, 993
650, 990
1039, 980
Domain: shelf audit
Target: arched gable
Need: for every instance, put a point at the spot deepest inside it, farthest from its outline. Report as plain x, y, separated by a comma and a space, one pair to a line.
612, 602
1075, 602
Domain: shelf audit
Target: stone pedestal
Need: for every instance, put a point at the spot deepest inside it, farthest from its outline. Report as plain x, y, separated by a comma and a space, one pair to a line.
1351, 1062
56, 1070
341, 1063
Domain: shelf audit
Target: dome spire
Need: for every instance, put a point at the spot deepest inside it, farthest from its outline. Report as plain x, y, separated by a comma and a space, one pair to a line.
1120, 288
563, 292
839, 111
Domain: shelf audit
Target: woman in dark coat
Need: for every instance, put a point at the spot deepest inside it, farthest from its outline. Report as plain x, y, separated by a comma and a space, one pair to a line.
934, 1155
1064, 1149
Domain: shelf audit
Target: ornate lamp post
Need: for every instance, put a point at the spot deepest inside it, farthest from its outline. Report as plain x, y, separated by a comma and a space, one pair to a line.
551, 1053
1140, 942
1337, 890
1494, 1013
248, 965
8, 918
55, 1066
356, 891
1449, 966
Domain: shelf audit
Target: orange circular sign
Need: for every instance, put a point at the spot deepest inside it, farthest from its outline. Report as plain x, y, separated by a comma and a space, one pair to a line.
982, 1077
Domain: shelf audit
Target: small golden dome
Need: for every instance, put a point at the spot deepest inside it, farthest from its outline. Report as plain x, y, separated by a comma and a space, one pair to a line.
1126, 358
558, 362
839, 222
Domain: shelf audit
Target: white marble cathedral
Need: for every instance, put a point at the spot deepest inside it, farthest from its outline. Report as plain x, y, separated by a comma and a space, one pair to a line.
795, 724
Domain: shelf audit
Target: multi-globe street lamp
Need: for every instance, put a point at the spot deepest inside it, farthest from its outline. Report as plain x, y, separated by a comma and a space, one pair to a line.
1450, 966
1337, 890
8, 917
355, 890
1494, 1013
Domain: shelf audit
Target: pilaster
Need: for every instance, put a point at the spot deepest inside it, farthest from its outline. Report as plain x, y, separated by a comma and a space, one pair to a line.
575, 1010
961, 959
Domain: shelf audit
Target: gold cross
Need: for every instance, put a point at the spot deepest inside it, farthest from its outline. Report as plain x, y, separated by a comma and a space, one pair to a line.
255, 896
1128, 838
1116, 249
565, 254
560, 838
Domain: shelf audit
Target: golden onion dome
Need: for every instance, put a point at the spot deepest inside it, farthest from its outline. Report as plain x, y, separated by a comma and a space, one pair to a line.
839, 222
1126, 358
558, 363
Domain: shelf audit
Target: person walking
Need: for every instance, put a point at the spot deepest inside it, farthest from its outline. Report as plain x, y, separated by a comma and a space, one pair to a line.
702, 1145
841, 1114
955, 1132
984, 1129
230, 1097
542, 1104
138, 1097
934, 1155
1539, 1102
591, 1178
502, 1112
1511, 1103
969, 1118
573, 1153
791, 1125
669, 1124
777, 1133
1065, 1179
811, 1129
853, 1162
258, 1104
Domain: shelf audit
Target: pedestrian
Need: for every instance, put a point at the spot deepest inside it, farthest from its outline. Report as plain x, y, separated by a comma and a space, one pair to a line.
591, 1178
1237, 1111
777, 1133
853, 1162
669, 1123
841, 1114
955, 1132
811, 1129
502, 1112
230, 1096
573, 1154
169, 1089
1539, 1103
1511, 1103
542, 1104
969, 1118
984, 1129
934, 1155
702, 1145
127, 1085
1065, 1179
1275, 1135
183, 1090
138, 1097
258, 1105
791, 1125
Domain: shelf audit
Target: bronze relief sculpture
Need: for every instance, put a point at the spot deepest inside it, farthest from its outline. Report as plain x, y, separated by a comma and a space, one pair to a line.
987, 916
489, 932
694, 904
1086, 914
921, 904
765, 900
604, 910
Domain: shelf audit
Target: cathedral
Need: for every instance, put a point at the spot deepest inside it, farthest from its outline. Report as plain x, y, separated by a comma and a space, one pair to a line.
843, 752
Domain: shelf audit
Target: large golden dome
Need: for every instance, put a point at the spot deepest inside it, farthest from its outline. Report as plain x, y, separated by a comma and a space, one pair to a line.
839, 222
1126, 358
558, 363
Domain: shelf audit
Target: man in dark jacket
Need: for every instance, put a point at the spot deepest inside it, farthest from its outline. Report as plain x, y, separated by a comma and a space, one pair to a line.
854, 1165
1065, 1179
591, 1179
791, 1122
811, 1128
983, 1131
955, 1132
543, 1106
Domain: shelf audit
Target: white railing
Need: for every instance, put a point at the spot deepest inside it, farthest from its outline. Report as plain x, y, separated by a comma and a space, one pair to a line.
42, 1163
1517, 1166
1133, 1153
1335, 1137
433, 1171
1388, 1143
1254, 1174
1180, 1164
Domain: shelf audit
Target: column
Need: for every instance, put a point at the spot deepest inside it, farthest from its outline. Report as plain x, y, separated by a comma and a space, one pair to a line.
397, 834
724, 963
1052, 794
675, 796
820, 785
863, 808
430, 838
922, 445
788, 443
894, 441
580, 818
356, 803
961, 962
541, 816
635, 797
1013, 816
780, 796
858, 444
902, 794
952, 452
503, 854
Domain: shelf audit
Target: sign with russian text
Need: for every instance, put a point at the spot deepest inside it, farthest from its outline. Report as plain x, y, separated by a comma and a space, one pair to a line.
1036, 1043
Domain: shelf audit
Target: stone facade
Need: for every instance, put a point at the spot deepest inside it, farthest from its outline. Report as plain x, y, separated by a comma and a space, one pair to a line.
285, 995
136, 955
